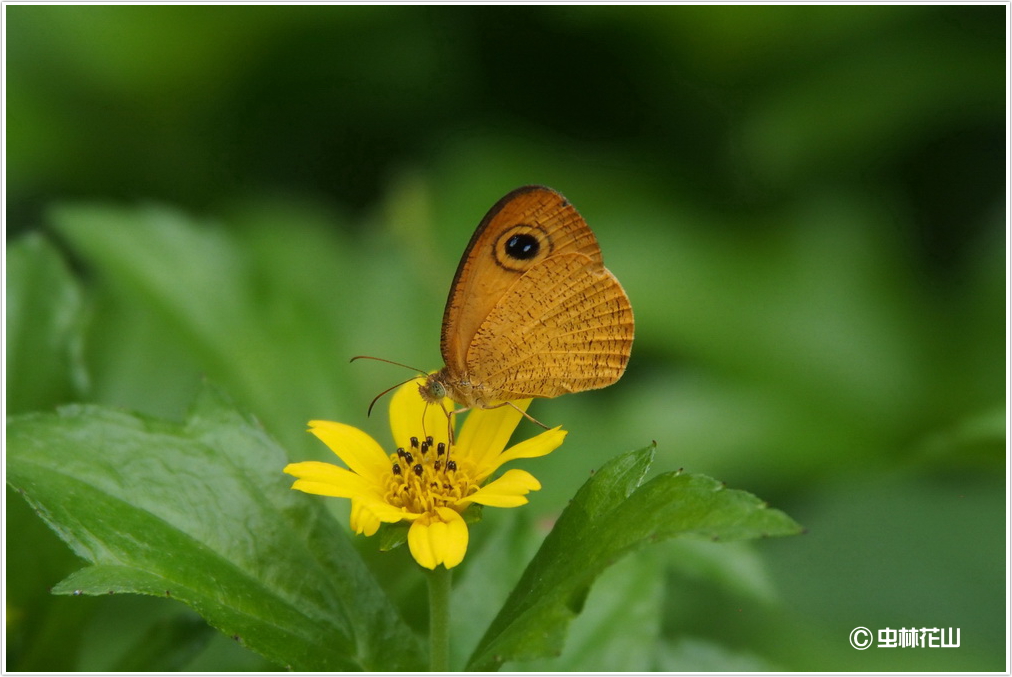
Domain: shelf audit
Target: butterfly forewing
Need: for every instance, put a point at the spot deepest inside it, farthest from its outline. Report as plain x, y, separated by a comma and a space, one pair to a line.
534, 214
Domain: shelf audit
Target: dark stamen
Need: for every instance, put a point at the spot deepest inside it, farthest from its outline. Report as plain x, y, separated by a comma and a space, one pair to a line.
414, 442
441, 448
451, 465
435, 465
397, 468
429, 440
400, 452
418, 469
408, 458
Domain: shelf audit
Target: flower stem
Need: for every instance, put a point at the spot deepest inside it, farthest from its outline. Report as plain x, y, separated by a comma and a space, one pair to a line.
439, 619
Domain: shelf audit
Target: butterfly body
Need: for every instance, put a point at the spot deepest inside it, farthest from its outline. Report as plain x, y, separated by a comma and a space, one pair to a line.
532, 311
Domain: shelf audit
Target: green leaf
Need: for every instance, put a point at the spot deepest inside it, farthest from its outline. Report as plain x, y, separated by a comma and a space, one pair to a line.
43, 321
263, 314
619, 629
612, 515
202, 513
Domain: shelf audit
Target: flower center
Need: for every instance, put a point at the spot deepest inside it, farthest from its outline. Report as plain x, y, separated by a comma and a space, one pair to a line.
424, 477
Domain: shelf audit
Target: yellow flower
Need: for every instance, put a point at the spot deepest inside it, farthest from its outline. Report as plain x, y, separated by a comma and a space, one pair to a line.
426, 481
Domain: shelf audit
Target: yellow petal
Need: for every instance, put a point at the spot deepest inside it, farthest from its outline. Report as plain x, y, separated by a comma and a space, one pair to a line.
439, 538
508, 491
411, 416
539, 445
363, 521
486, 432
327, 479
359, 452
320, 489
386, 512
367, 514
322, 472
418, 544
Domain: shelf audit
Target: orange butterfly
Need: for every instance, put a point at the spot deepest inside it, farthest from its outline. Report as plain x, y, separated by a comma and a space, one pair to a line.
532, 311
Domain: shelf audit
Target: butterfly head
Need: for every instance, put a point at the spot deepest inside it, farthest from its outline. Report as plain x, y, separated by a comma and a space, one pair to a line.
434, 389
446, 384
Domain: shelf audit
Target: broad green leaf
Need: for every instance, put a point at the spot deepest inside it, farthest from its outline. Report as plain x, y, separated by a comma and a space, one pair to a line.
619, 628
44, 369
43, 319
201, 513
262, 313
612, 515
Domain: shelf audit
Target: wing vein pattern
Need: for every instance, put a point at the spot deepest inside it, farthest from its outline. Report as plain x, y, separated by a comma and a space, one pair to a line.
560, 328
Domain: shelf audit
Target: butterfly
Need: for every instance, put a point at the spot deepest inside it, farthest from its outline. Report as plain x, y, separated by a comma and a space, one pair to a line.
532, 311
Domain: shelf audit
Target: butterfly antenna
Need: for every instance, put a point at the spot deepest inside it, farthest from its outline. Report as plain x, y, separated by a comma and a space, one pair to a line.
380, 359
398, 385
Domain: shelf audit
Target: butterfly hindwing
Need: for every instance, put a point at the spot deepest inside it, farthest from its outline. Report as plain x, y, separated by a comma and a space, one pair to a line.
564, 326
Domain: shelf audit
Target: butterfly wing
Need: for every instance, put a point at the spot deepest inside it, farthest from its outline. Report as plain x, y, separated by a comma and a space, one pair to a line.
561, 328
532, 310
532, 216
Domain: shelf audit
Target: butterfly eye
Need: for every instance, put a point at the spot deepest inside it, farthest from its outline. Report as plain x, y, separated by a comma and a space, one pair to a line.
522, 246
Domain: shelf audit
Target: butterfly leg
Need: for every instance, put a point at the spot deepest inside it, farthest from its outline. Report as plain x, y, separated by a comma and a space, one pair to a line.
526, 415
449, 420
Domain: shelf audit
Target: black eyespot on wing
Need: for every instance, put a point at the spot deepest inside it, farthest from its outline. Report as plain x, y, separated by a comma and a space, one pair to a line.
522, 246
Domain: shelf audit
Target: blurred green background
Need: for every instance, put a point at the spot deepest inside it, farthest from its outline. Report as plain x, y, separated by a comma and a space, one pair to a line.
804, 204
